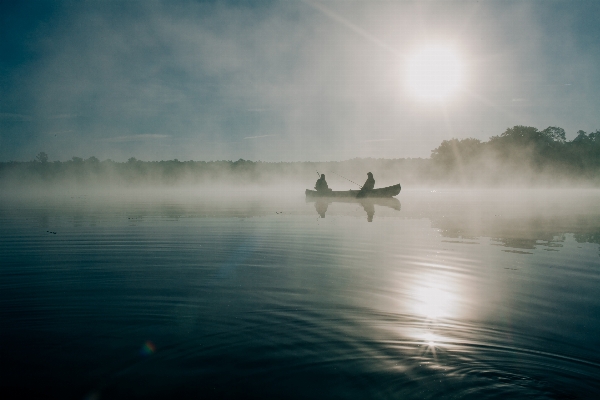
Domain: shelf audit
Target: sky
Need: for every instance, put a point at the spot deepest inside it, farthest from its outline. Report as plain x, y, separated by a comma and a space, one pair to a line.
289, 80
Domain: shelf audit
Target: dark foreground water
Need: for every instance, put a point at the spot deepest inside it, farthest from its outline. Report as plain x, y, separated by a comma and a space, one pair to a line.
443, 295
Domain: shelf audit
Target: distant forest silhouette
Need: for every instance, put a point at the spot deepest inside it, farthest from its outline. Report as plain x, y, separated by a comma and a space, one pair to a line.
521, 150
521, 155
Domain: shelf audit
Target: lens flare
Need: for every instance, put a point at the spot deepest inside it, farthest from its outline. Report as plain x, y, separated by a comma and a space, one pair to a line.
148, 349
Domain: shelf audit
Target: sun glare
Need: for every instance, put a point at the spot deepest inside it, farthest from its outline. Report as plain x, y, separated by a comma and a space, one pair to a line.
434, 73
435, 298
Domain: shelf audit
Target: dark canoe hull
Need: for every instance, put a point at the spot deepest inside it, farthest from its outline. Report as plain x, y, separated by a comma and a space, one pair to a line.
389, 191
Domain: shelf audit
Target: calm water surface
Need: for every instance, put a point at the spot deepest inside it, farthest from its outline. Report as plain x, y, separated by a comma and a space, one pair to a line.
441, 294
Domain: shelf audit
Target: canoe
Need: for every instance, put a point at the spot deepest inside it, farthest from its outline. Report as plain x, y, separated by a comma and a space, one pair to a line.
389, 191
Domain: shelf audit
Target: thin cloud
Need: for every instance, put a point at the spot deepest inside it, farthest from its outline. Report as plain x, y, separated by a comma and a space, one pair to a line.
376, 140
133, 138
14, 117
256, 137
60, 132
64, 116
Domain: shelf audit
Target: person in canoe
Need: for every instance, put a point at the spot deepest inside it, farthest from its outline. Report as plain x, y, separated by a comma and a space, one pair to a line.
321, 185
368, 186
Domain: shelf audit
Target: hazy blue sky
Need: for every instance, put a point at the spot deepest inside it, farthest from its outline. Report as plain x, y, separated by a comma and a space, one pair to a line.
285, 80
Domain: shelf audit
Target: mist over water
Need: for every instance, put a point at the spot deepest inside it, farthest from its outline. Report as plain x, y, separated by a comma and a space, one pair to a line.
254, 294
522, 156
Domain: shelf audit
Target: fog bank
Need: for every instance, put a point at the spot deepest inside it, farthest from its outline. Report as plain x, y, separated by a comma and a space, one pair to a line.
520, 156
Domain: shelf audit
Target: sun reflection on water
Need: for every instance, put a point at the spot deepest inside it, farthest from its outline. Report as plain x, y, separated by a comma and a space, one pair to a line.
429, 339
435, 298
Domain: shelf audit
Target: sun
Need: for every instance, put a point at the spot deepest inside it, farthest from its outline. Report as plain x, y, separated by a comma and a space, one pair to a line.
434, 73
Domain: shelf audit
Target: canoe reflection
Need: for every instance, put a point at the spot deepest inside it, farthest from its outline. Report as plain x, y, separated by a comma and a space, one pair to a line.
368, 204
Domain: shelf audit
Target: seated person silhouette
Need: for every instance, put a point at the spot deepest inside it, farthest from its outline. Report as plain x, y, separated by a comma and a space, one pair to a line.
368, 186
321, 185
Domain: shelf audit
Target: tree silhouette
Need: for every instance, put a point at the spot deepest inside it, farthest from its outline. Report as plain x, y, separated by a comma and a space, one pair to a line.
42, 157
556, 134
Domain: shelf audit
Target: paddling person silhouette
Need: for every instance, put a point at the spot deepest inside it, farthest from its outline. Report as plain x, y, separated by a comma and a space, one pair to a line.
368, 186
321, 185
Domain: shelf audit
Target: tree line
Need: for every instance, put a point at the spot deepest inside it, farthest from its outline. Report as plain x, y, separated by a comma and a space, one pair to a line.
521, 154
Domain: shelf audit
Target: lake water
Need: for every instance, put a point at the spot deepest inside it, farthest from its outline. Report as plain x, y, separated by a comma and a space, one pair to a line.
439, 295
